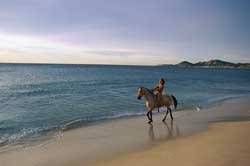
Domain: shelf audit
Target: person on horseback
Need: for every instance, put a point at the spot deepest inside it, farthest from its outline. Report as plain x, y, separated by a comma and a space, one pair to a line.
158, 89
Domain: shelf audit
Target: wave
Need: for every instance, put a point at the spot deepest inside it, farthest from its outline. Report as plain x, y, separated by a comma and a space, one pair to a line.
79, 122
30, 135
25, 136
220, 99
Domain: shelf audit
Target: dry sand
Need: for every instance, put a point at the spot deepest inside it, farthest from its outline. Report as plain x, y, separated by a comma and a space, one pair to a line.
131, 141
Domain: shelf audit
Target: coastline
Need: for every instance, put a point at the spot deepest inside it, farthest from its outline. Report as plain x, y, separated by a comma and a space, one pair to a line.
104, 141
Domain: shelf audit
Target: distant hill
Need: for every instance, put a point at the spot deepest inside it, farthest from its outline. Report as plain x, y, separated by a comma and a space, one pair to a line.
185, 64
214, 63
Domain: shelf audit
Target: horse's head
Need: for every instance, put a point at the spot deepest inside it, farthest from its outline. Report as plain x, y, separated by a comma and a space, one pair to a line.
140, 93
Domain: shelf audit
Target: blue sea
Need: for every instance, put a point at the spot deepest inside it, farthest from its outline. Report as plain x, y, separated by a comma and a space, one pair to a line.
37, 100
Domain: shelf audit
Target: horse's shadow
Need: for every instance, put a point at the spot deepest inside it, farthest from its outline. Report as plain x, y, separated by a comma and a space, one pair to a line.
172, 131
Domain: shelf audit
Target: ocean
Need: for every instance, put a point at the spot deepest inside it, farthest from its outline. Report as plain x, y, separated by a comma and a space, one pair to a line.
39, 100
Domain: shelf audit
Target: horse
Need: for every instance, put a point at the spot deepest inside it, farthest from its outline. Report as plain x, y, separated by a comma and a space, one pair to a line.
151, 102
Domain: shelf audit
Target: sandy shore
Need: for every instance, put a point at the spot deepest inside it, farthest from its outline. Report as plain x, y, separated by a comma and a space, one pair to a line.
223, 144
130, 140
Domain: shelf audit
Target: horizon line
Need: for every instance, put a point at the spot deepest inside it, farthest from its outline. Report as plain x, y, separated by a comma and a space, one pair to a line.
41, 63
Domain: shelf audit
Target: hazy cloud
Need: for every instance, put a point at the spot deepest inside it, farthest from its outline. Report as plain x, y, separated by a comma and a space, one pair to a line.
174, 30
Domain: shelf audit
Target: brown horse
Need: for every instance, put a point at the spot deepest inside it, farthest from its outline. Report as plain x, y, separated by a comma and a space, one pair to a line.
151, 102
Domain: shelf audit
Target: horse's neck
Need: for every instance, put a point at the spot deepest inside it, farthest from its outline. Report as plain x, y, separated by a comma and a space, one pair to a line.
148, 96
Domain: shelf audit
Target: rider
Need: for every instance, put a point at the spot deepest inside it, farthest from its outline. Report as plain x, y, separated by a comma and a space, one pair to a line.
158, 89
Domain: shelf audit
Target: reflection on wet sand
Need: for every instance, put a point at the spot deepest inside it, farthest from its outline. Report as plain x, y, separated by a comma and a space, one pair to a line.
170, 131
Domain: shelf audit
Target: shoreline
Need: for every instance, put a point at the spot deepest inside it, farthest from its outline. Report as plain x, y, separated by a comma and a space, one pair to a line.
89, 144
79, 123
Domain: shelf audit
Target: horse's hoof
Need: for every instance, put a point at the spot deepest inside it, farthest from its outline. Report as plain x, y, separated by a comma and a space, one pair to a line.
163, 120
149, 122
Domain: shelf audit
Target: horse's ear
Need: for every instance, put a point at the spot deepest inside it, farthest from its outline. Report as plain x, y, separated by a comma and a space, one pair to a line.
139, 89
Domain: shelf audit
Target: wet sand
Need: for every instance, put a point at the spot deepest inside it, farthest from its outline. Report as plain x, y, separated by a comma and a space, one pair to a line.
224, 144
119, 140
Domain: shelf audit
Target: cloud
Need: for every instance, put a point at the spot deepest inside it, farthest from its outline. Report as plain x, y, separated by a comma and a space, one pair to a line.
160, 31
23, 49
13, 56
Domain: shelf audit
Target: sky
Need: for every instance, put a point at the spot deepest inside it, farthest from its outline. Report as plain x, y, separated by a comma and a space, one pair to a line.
133, 32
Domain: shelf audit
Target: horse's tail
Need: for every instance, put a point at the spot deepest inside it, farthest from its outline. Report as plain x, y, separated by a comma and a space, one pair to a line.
175, 101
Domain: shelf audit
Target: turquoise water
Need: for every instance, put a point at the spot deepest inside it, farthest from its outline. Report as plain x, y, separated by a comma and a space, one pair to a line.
39, 99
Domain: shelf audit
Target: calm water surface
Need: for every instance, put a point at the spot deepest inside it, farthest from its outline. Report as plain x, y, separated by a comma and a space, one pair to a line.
38, 99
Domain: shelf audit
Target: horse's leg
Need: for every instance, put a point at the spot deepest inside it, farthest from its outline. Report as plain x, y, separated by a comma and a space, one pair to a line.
165, 116
148, 116
171, 113
151, 116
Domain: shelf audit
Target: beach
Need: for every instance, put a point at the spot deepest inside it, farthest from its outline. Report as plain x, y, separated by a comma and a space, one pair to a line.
91, 82
215, 135
223, 144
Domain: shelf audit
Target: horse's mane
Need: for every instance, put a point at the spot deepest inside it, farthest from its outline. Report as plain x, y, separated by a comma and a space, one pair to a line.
150, 91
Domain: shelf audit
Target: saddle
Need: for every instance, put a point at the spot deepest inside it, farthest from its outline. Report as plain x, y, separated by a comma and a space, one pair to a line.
156, 99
